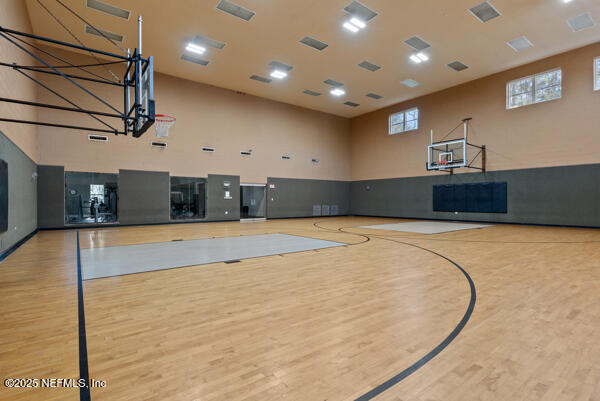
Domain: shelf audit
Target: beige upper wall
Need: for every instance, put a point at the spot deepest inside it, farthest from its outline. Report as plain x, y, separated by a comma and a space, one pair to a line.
555, 133
13, 14
206, 116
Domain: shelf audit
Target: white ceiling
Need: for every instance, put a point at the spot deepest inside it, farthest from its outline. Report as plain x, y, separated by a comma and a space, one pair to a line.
274, 34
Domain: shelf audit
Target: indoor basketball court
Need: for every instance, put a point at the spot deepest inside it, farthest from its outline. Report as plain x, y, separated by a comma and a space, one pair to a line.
291, 200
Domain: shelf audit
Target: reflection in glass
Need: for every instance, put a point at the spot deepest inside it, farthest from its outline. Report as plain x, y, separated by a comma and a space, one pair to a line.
188, 198
252, 202
91, 198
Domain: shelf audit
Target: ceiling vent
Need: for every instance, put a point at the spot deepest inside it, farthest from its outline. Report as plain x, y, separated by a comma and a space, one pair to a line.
285, 157
196, 60
485, 11
205, 40
360, 11
246, 153
261, 79
315, 160
94, 31
374, 96
519, 44
458, 66
352, 104
208, 149
159, 145
98, 138
333, 83
235, 10
314, 43
280, 66
417, 43
108, 9
411, 83
311, 93
581, 22
369, 66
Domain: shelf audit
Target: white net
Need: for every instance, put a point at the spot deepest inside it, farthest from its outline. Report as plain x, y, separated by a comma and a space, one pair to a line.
163, 123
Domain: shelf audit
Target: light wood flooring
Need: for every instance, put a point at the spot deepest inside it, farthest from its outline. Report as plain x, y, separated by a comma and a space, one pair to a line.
320, 325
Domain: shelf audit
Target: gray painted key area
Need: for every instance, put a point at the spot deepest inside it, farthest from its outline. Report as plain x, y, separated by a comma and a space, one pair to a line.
120, 260
427, 227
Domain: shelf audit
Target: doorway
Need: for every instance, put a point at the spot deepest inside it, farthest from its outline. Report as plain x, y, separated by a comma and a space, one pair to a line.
252, 201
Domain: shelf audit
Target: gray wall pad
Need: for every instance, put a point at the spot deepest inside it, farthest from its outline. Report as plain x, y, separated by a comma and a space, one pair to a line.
22, 194
120, 260
565, 195
143, 197
296, 197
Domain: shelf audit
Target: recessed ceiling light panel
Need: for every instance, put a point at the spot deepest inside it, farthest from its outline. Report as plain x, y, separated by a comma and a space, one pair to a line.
279, 74
194, 48
520, 43
374, 96
337, 92
360, 11
581, 22
411, 83
108, 9
311, 93
485, 11
417, 43
352, 104
206, 41
280, 66
260, 79
458, 66
235, 10
351, 27
314, 43
196, 60
111, 35
369, 66
333, 83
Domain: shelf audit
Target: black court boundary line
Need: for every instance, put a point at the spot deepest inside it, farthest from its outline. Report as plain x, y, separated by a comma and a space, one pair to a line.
441, 346
84, 391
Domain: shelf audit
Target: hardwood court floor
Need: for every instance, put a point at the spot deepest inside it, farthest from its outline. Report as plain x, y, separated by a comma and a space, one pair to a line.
328, 325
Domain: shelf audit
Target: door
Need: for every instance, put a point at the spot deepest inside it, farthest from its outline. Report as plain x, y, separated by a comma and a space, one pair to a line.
252, 201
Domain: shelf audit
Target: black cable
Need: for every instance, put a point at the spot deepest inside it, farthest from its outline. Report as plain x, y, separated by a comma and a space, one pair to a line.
75, 66
77, 39
57, 58
91, 26
451, 131
65, 99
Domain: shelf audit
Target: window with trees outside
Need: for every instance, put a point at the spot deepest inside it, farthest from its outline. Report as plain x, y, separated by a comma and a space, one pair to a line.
597, 74
407, 120
537, 88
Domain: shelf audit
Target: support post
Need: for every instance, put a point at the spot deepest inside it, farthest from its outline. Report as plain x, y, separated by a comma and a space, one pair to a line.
483, 158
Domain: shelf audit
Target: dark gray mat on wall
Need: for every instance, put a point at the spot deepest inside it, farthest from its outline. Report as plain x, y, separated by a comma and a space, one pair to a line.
143, 197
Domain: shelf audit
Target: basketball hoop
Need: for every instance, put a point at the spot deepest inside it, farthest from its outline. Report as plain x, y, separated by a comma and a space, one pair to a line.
162, 122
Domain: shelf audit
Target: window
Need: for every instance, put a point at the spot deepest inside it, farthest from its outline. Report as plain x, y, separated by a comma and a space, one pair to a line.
407, 120
91, 198
188, 198
534, 89
597, 74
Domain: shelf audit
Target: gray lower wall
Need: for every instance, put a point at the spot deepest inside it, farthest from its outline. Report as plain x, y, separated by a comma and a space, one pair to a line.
22, 194
568, 195
217, 207
296, 197
51, 196
143, 197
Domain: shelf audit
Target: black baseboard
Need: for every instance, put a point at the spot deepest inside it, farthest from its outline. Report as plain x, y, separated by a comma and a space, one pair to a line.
13, 248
